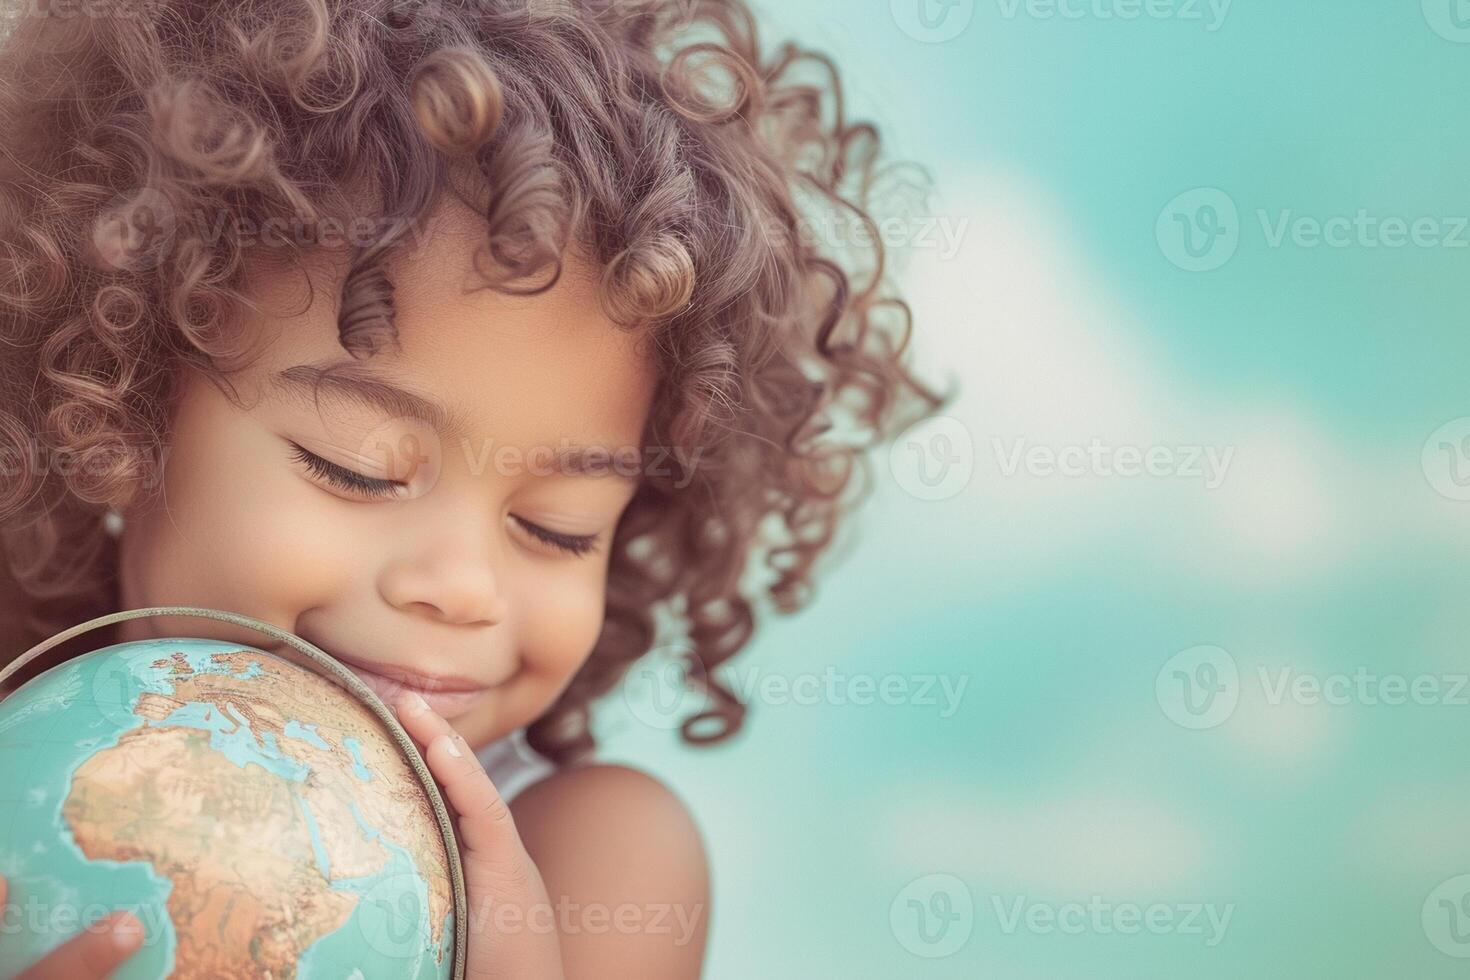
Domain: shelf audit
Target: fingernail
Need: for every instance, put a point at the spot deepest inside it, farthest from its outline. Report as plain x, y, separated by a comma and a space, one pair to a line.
412, 704
126, 930
452, 746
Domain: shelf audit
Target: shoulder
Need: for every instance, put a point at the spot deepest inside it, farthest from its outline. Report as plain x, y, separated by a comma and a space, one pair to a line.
617, 815
625, 867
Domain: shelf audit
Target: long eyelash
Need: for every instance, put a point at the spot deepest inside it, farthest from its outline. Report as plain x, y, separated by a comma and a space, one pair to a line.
346, 479
341, 477
572, 543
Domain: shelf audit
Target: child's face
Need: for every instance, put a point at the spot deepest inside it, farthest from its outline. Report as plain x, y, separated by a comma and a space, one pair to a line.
443, 577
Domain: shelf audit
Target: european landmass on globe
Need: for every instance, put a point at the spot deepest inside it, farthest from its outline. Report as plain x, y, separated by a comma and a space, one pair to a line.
253, 814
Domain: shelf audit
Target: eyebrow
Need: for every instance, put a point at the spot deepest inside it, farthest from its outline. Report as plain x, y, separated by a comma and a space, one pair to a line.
350, 381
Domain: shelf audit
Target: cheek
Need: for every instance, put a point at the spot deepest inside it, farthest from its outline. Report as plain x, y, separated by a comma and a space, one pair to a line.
235, 528
562, 618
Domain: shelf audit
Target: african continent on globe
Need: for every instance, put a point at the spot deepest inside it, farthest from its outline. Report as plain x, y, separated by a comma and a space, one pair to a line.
254, 815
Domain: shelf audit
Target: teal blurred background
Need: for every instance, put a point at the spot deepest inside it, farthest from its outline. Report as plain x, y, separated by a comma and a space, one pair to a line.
1199, 722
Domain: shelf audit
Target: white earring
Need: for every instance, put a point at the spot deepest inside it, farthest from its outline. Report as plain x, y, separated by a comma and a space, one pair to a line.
112, 522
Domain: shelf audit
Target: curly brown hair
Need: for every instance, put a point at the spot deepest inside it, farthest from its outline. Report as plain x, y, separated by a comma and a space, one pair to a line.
655, 135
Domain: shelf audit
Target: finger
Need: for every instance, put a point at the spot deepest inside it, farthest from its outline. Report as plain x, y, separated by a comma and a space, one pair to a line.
418, 719
485, 823
94, 953
497, 869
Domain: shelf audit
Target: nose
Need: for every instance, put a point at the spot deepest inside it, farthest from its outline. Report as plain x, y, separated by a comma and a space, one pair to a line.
451, 578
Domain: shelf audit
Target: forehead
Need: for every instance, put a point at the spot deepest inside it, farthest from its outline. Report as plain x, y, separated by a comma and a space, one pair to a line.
538, 369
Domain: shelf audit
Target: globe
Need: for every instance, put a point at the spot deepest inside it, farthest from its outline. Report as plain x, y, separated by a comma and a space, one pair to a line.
257, 818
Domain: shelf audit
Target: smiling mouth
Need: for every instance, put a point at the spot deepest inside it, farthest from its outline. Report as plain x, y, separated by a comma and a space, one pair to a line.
449, 697
447, 703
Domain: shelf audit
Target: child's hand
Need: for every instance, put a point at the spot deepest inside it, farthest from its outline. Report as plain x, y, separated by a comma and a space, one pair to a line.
91, 955
497, 870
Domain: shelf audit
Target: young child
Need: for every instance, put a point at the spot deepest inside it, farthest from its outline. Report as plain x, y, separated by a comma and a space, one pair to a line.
461, 338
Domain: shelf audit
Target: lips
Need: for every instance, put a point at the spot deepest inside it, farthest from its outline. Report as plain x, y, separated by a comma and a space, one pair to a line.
447, 695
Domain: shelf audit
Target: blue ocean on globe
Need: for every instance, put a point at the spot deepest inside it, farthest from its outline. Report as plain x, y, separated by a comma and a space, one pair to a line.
253, 814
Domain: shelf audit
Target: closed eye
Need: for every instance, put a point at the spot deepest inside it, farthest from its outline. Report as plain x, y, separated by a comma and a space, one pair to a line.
576, 544
343, 478
354, 482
